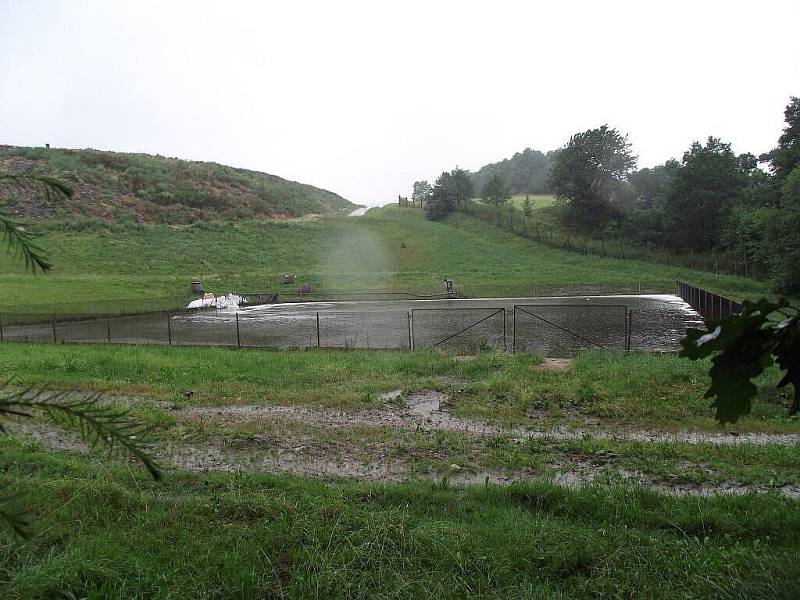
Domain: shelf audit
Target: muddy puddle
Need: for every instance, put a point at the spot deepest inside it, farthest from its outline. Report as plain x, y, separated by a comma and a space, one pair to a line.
314, 442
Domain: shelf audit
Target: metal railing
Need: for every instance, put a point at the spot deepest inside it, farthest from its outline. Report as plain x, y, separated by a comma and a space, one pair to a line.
710, 306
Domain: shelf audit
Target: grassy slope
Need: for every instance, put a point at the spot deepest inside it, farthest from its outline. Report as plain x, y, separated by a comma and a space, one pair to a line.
335, 252
119, 186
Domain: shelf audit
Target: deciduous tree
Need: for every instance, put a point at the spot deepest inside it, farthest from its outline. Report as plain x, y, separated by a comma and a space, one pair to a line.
586, 172
701, 195
496, 192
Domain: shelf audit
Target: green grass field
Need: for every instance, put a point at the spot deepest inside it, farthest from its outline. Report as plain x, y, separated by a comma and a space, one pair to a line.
102, 529
107, 532
390, 248
622, 390
537, 200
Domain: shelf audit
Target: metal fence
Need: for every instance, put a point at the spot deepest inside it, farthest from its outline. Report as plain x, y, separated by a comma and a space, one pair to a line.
564, 329
710, 306
554, 330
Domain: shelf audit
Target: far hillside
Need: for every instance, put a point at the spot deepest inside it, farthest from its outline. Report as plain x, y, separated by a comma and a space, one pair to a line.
114, 186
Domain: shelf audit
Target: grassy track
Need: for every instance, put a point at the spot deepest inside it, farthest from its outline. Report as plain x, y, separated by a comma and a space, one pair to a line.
389, 248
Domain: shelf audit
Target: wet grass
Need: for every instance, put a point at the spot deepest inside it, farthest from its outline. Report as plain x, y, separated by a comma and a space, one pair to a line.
452, 453
613, 391
105, 531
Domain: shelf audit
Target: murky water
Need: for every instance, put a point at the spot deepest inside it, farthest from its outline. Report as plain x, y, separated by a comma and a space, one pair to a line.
552, 326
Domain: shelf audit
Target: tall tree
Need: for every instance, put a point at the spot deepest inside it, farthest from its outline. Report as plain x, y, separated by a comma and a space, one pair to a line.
701, 195
650, 183
588, 170
496, 192
450, 191
442, 200
782, 240
525, 172
422, 191
786, 156
463, 186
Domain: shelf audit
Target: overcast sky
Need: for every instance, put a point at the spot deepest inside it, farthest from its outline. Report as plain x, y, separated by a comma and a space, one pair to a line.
363, 98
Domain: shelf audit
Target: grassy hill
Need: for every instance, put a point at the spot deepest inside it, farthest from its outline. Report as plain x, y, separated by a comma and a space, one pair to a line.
114, 186
389, 248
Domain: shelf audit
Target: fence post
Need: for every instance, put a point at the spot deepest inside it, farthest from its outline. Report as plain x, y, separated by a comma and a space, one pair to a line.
108, 329
169, 330
238, 338
1, 328
514, 331
628, 324
505, 343
318, 344
53, 323
411, 329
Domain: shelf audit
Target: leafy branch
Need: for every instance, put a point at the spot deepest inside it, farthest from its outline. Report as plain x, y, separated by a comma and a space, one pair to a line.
744, 346
97, 423
19, 238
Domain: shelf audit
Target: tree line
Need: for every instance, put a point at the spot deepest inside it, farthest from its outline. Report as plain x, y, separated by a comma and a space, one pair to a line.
712, 202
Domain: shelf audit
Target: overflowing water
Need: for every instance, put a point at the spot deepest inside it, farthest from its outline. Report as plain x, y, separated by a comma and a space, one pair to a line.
212, 301
548, 325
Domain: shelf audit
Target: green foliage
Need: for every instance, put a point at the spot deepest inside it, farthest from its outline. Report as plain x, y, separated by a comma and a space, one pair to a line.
714, 210
701, 194
527, 209
450, 191
496, 192
20, 239
525, 172
786, 156
651, 183
745, 345
422, 192
97, 423
587, 173
782, 239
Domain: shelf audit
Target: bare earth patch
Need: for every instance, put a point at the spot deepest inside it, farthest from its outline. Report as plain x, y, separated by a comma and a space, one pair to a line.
328, 443
554, 364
